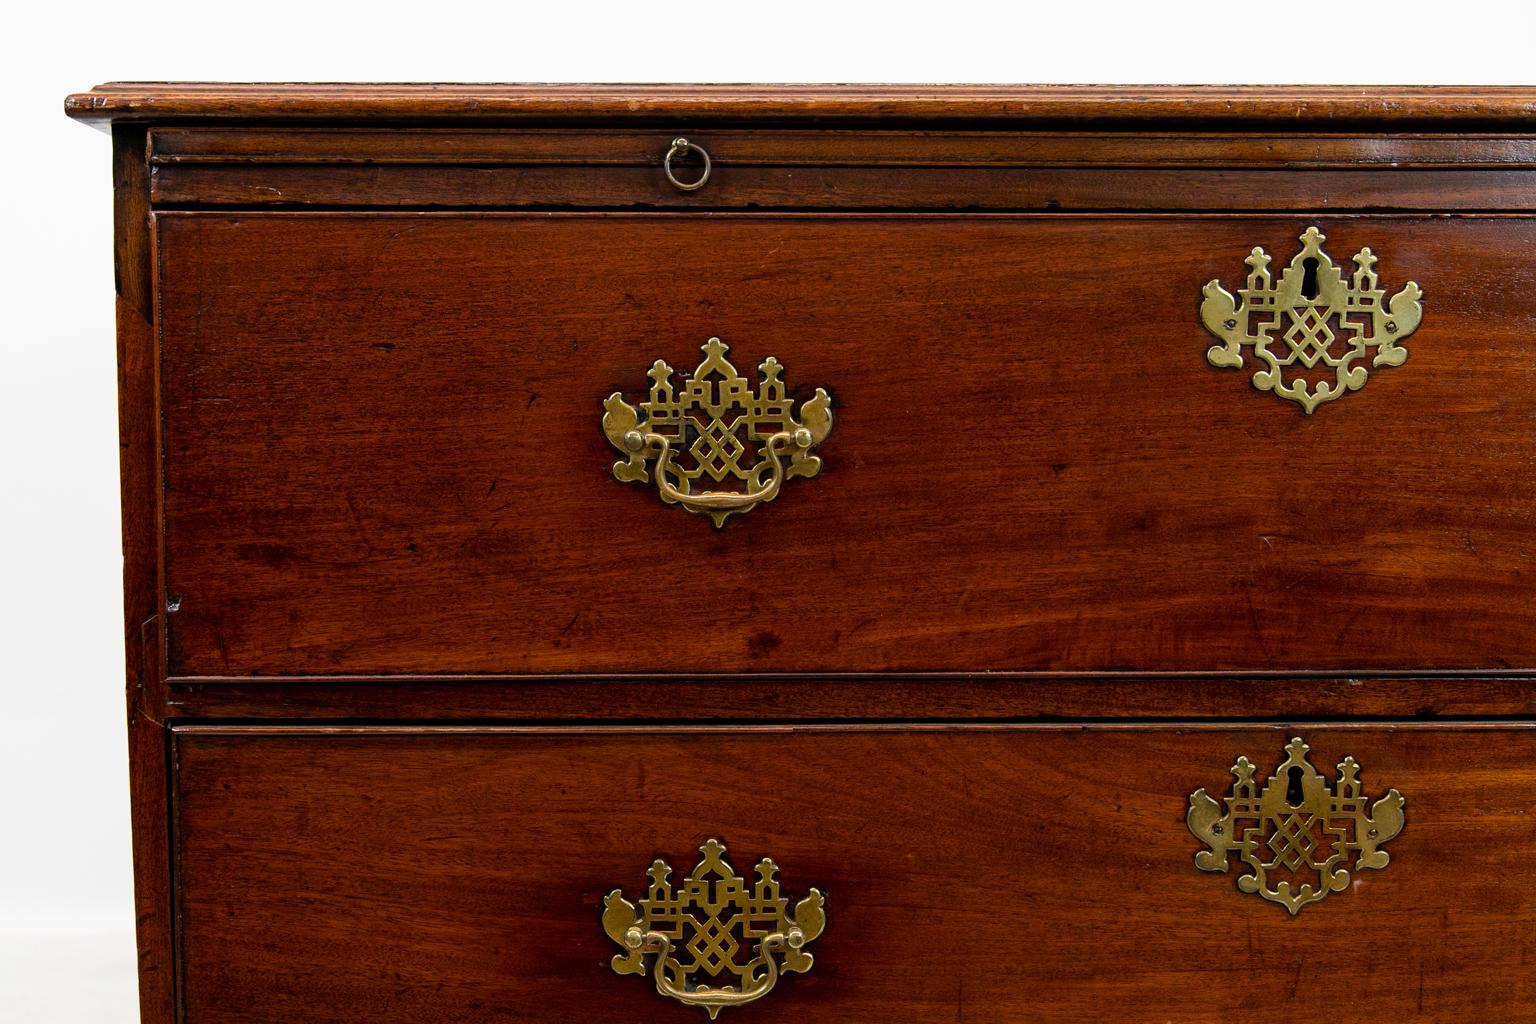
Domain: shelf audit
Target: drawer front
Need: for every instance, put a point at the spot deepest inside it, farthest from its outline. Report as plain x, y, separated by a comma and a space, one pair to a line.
838, 169
1022, 873
384, 448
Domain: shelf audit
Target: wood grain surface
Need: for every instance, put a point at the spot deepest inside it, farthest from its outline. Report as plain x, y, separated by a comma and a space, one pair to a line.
383, 450
1333, 107
835, 147
840, 169
922, 188
143, 636
979, 696
424, 876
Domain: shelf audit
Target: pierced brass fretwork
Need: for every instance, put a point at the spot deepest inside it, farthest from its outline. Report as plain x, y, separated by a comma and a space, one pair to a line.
1297, 834
717, 427
715, 927
1312, 321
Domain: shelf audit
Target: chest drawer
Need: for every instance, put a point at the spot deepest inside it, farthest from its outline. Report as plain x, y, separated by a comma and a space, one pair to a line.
1005, 874
849, 168
384, 446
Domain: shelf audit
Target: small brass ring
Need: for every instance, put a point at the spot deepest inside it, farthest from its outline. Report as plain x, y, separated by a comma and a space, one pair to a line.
682, 147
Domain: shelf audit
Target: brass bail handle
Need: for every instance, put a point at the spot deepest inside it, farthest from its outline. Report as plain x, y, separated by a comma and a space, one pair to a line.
760, 448
691, 930
719, 501
682, 147
763, 976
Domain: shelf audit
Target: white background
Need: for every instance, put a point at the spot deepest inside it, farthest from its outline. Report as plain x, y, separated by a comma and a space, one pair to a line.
66, 948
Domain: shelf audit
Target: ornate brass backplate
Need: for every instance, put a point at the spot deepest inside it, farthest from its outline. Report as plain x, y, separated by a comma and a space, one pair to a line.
717, 427
717, 926
1314, 322
1309, 831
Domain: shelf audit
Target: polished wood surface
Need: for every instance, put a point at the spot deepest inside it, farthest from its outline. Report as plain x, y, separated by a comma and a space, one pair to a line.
842, 169
144, 654
852, 188
979, 696
1015, 874
824, 147
1469, 107
384, 455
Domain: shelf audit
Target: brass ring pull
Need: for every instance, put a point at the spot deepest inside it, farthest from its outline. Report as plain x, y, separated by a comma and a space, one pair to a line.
723, 428
693, 928
682, 147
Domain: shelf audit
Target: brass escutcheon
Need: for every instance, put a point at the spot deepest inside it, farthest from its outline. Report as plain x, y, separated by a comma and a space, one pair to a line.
700, 928
1311, 831
1314, 321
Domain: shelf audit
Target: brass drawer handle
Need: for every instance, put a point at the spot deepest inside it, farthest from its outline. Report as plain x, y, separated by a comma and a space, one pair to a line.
1313, 320
717, 417
722, 502
698, 928
1310, 828
682, 147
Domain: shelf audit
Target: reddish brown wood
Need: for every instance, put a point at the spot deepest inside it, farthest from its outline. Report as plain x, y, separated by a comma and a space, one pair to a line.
841, 169
1068, 105
385, 452
144, 656
1007, 874
849, 188
981, 697
802, 147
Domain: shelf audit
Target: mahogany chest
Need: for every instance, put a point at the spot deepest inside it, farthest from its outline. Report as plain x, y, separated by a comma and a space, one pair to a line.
848, 554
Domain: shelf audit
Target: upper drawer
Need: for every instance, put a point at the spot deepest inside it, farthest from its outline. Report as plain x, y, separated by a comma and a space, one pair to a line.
850, 169
383, 448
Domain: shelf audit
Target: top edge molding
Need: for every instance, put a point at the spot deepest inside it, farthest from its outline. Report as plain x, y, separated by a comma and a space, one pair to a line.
1314, 106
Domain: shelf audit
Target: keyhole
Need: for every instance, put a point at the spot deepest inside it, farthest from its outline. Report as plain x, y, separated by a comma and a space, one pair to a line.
1293, 794
1309, 278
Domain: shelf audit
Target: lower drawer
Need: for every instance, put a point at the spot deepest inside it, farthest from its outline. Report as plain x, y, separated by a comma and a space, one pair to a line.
1030, 873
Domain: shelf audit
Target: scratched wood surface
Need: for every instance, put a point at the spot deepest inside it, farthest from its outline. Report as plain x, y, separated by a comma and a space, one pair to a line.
1004, 189
144, 658
1306, 147
1018, 874
980, 696
840, 168
383, 450
1328, 107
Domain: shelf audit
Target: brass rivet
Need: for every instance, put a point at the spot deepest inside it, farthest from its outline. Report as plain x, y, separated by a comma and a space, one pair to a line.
1229, 324
803, 438
634, 441
1391, 326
